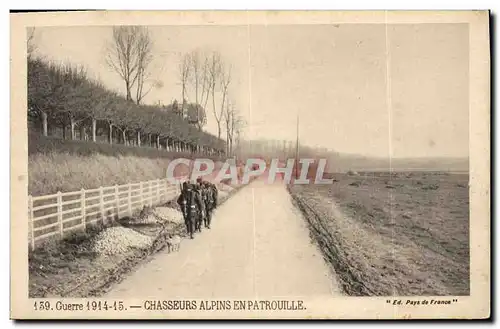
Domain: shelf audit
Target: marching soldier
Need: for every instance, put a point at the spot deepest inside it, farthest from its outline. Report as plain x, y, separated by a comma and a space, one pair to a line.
215, 194
182, 202
209, 202
192, 207
202, 211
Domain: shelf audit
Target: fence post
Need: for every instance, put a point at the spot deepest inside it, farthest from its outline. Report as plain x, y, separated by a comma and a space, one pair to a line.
117, 202
150, 193
158, 195
31, 223
129, 199
166, 190
101, 203
167, 195
141, 196
84, 212
59, 214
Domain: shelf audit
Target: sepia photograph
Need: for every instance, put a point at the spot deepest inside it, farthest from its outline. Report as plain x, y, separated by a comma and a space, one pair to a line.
214, 165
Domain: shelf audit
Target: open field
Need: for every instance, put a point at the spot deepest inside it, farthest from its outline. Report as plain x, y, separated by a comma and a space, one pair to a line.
405, 234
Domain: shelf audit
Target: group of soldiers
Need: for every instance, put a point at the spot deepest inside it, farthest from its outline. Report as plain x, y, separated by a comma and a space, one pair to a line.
197, 202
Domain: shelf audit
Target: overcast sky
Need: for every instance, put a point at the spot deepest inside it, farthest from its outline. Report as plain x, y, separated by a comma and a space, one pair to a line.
358, 88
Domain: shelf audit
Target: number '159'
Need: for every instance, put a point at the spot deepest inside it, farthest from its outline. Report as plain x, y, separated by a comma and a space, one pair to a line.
42, 306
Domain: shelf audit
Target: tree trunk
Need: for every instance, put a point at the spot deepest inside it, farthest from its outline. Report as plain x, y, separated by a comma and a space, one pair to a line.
183, 98
127, 85
124, 137
158, 146
110, 133
44, 123
82, 132
72, 127
64, 131
94, 128
139, 138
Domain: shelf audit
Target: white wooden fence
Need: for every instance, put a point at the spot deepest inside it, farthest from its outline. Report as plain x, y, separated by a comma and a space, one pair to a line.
59, 213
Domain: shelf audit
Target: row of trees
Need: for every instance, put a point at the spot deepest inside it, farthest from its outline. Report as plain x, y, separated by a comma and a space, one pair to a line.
64, 96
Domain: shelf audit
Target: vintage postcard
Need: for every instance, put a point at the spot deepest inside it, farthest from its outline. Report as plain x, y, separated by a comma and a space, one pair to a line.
250, 165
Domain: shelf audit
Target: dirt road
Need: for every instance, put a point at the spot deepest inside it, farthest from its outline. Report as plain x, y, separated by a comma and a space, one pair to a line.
258, 247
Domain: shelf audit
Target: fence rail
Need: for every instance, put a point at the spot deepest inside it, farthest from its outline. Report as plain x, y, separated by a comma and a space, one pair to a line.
60, 213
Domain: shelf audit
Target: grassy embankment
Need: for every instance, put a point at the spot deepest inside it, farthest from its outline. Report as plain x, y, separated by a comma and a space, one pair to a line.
62, 165
402, 235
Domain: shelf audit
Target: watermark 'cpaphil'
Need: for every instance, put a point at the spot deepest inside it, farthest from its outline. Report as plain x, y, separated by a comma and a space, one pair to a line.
290, 173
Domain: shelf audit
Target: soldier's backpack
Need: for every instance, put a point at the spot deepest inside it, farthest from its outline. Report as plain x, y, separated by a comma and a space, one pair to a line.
209, 200
190, 197
213, 188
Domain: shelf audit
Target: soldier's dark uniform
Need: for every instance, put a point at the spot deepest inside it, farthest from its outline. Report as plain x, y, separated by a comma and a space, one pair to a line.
215, 194
203, 212
182, 202
210, 199
206, 199
191, 205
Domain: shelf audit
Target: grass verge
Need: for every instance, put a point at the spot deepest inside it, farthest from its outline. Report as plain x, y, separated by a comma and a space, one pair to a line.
64, 165
405, 235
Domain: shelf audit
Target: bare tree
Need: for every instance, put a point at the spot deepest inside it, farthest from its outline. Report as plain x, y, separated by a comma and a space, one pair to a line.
225, 80
193, 78
129, 55
219, 78
206, 84
144, 50
196, 74
234, 123
204, 76
184, 72
213, 73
